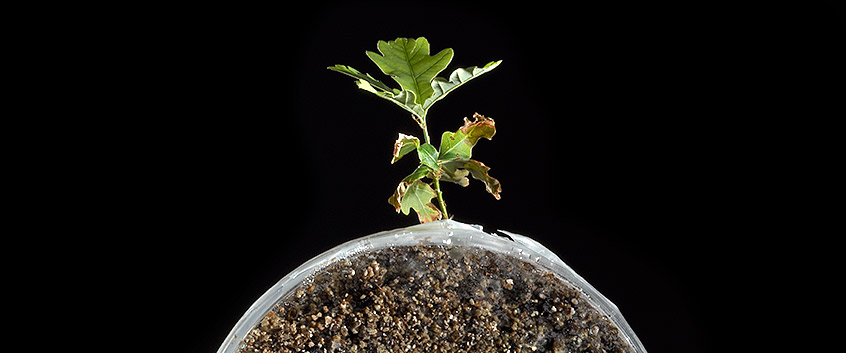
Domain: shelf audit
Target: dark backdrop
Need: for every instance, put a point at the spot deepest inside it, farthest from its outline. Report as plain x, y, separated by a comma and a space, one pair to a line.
646, 144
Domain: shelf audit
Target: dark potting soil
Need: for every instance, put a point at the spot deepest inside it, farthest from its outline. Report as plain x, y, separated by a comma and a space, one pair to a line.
434, 299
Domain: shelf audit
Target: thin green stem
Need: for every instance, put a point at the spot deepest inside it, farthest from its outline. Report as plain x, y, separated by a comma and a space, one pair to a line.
436, 177
441, 197
425, 130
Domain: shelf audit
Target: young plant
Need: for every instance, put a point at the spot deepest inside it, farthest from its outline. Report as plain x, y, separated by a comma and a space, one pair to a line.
408, 62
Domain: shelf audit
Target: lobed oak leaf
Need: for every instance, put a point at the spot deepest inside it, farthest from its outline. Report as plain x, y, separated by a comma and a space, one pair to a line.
408, 62
416, 195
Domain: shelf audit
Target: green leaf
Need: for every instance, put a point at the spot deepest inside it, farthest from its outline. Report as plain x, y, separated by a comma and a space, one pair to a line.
412, 192
442, 86
405, 98
428, 155
403, 145
364, 78
457, 171
419, 173
459, 144
408, 62
418, 196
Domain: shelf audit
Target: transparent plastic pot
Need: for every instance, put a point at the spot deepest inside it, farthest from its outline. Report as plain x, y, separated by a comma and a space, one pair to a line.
445, 232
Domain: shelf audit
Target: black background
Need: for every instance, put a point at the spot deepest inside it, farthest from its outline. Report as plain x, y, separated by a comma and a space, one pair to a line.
647, 144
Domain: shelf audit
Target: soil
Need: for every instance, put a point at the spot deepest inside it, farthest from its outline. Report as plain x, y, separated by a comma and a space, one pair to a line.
434, 299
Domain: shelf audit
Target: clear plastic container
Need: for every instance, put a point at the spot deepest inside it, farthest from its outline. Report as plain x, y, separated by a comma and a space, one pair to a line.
445, 232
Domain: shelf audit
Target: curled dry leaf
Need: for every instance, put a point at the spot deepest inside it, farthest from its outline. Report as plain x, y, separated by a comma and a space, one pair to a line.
459, 144
457, 170
403, 145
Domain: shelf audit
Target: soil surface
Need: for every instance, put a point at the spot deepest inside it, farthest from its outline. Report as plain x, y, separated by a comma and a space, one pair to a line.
434, 299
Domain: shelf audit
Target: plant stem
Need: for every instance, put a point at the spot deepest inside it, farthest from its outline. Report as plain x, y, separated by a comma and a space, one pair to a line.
425, 130
441, 198
436, 177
